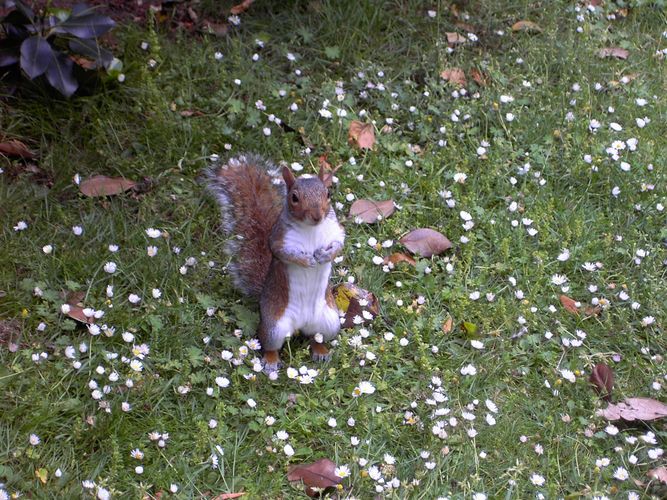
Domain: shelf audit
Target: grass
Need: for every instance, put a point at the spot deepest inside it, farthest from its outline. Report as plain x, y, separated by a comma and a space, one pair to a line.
545, 425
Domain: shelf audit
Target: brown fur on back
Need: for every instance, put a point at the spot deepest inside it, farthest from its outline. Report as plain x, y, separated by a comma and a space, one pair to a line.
251, 199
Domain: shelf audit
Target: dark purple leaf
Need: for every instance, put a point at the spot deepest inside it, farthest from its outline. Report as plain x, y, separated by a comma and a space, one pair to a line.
36, 55
14, 25
81, 9
8, 57
90, 48
86, 26
60, 74
21, 7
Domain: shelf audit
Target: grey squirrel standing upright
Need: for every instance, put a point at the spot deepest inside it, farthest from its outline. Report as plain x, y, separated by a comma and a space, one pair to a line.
284, 235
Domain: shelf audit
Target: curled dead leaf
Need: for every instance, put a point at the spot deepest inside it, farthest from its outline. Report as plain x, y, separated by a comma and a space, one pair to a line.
631, 409
320, 474
426, 242
361, 134
454, 38
76, 313
617, 52
528, 26
370, 211
456, 76
187, 113
659, 474
241, 7
227, 496
569, 304
359, 306
398, 257
602, 378
101, 185
479, 77
16, 148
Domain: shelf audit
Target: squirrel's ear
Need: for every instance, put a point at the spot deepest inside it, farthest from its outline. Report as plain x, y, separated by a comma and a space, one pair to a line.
327, 179
289, 177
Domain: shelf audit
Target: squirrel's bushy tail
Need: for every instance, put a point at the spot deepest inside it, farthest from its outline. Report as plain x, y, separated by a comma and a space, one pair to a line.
251, 195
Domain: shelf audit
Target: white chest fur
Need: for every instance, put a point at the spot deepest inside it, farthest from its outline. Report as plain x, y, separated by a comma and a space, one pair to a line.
307, 285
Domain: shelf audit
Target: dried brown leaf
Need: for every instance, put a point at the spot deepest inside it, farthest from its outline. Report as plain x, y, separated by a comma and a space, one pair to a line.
465, 26
398, 257
361, 134
660, 474
569, 304
241, 7
227, 496
425, 242
455, 76
631, 409
320, 474
617, 52
370, 211
479, 77
359, 306
10, 329
76, 313
187, 113
16, 148
528, 26
101, 185
602, 378
215, 29
454, 38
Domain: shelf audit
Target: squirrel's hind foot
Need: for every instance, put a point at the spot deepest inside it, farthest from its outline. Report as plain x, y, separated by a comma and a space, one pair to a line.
271, 362
319, 352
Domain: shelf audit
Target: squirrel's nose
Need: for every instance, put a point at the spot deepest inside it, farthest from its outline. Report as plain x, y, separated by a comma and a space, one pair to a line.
317, 218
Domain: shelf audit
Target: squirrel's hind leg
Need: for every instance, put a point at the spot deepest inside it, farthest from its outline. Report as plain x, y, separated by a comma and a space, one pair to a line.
272, 337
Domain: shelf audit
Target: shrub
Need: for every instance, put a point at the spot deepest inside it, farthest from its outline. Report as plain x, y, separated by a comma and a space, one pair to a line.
51, 43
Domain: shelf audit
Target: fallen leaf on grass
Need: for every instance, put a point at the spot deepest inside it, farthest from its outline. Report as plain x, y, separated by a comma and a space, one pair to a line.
398, 257
187, 113
371, 211
241, 8
480, 78
616, 52
528, 26
361, 134
359, 306
42, 474
631, 409
320, 474
425, 242
454, 38
454, 75
602, 377
660, 474
227, 496
101, 185
16, 148
215, 29
569, 304
76, 313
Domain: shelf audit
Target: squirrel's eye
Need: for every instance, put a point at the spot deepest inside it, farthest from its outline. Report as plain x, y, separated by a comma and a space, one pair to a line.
328, 194
295, 198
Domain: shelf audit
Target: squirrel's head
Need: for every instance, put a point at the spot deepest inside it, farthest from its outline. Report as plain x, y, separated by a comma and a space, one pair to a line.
308, 197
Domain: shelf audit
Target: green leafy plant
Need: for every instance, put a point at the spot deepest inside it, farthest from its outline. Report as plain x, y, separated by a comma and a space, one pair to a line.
53, 42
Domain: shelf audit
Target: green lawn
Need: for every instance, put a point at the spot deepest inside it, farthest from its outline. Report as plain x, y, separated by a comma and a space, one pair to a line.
564, 155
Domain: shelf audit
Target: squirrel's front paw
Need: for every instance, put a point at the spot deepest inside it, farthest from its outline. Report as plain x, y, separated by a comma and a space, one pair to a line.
322, 255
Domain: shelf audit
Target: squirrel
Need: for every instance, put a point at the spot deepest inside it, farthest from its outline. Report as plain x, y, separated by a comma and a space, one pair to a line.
283, 236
